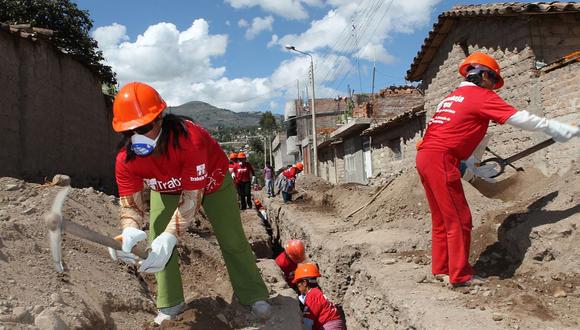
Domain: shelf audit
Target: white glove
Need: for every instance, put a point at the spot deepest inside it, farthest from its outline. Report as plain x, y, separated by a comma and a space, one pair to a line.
128, 258
253, 180
561, 132
161, 250
484, 171
131, 236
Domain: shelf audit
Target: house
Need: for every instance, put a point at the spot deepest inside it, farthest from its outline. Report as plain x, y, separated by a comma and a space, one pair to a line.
280, 154
350, 155
536, 45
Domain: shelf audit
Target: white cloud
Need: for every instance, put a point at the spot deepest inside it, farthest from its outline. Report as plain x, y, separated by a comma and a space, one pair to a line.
362, 27
110, 36
273, 41
259, 25
291, 9
243, 23
227, 23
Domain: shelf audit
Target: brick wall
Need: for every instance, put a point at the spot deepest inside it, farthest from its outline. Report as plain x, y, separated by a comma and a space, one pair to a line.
395, 100
54, 117
517, 42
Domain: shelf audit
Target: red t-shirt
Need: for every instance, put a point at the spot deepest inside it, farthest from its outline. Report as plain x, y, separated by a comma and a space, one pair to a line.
231, 167
462, 119
290, 173
199, 163
321, 310
287, 266
243, 172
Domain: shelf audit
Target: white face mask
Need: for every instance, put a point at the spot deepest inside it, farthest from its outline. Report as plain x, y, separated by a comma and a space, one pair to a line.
142, 145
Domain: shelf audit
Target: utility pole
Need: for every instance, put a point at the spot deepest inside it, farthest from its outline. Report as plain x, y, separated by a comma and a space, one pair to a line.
313, 111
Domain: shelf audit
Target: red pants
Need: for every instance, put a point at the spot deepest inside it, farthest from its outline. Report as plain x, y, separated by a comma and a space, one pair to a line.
450, 214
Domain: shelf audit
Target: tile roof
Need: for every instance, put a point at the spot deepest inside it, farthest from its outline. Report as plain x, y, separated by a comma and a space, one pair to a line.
447, 19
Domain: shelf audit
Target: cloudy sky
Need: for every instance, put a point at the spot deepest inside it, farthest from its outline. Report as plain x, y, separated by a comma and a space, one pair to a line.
230, 53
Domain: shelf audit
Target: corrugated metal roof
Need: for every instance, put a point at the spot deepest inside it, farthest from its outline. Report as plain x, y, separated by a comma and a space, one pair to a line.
447, 19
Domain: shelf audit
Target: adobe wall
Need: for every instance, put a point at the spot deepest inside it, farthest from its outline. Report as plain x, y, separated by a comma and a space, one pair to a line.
518, 43
54, 117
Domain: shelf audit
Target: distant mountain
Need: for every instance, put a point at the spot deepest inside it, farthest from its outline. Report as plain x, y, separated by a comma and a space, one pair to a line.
211, 117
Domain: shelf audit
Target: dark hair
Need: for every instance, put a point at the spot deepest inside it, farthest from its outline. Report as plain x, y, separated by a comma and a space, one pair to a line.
172, 126
477, 78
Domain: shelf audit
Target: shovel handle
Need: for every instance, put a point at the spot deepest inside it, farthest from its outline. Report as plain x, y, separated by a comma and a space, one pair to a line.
93, 236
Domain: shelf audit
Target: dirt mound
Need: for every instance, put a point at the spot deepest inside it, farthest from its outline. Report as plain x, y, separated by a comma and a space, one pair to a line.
97, 293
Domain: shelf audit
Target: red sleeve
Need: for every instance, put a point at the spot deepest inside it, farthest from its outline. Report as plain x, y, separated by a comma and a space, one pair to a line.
193, 155
496, 109
315, 302
128, 182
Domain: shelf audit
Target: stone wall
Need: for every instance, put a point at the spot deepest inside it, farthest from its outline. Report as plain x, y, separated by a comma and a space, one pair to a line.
520, 44
404, 137
54, 117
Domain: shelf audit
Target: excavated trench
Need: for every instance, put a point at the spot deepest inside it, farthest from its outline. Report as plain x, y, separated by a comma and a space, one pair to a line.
376, 265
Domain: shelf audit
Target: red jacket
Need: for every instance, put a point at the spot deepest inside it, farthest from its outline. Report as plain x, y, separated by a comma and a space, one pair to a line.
287, 266
243, 172
321, 309
290, 173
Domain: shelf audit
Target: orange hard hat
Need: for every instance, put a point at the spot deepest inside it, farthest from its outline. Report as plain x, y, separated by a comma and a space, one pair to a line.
241, 155
233, 155
295, 250
257, 202
305, 270
489, 62
135, 105
299, 166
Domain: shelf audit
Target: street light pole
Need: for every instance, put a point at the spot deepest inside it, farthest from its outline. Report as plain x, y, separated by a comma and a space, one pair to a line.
315, 145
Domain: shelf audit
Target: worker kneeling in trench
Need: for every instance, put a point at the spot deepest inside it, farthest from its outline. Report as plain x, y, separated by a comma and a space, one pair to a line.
185, 168
457, 127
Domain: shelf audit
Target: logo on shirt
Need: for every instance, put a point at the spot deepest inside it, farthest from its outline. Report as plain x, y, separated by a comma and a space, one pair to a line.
158, 185
201, 170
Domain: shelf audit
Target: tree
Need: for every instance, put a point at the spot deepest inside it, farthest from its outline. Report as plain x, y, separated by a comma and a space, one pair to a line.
71, 27
268, 122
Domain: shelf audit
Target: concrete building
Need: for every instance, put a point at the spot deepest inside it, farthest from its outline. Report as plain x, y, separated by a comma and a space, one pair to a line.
280, 154
536, 45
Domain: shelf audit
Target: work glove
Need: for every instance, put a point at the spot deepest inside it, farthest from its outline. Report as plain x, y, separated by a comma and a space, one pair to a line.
253, 180
484, 171
561, 132
128, 258
161, 250
130, 237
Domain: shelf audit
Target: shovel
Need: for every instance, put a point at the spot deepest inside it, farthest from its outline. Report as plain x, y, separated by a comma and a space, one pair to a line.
57, 225
503, 162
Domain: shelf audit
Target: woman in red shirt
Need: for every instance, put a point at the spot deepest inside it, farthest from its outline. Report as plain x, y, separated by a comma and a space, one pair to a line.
185, 168
288, 181
457, 127
316, 307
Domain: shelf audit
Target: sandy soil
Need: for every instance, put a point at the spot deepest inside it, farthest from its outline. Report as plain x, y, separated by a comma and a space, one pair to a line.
376, 263
98, 293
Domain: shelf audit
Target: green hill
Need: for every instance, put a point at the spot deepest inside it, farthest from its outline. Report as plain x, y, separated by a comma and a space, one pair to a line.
211, 117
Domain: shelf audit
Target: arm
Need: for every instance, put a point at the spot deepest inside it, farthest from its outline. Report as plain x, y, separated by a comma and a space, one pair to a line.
558, 131
189, 204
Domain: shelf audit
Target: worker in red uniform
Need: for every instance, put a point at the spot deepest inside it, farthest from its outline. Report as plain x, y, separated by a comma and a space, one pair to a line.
244, 176
185, 169
457, 127
316, 307
288, 181
261, 209
289, 259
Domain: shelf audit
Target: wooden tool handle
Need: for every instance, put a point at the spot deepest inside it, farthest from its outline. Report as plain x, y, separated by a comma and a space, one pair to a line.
93, 236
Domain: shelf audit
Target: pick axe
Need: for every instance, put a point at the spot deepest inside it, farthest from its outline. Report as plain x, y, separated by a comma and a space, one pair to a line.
57, 225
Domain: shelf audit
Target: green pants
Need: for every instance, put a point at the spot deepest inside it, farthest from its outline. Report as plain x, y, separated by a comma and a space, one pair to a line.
222, 210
